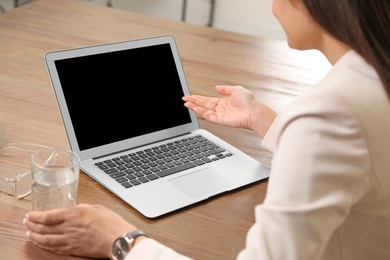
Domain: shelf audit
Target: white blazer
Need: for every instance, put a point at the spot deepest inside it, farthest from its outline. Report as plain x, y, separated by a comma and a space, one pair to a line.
328, 194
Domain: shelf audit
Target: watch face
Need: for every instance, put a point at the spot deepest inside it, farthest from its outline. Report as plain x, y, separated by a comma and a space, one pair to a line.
120, 248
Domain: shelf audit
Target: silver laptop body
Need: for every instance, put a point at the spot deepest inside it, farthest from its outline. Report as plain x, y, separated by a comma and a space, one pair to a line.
122, 101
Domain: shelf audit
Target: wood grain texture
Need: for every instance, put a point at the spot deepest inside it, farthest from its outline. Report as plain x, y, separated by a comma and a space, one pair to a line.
214, 229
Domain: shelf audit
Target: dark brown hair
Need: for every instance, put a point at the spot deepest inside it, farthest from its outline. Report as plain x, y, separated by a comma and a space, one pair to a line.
364, 25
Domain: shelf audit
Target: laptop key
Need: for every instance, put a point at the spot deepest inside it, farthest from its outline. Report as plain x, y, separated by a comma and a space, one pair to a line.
217, 150
111, 164
143, 179
118, 174
121, 179
110, 171
175, 169
102, 167
130, 176
135, 182
199, 162
126, 184
152, 177
207, 160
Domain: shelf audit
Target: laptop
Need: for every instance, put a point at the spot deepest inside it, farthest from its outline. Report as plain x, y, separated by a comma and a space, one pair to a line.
121, 104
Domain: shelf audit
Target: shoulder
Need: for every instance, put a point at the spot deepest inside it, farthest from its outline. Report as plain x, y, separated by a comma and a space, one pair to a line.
342, 101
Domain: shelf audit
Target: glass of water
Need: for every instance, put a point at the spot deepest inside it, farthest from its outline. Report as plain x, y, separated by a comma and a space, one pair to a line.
55, 178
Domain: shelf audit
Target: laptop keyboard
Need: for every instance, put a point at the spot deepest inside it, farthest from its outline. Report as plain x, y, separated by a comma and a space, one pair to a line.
163, 160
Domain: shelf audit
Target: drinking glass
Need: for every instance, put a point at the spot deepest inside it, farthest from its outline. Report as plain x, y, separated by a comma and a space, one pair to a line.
55, 177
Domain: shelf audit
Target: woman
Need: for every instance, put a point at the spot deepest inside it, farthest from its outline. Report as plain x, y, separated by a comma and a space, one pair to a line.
333, 205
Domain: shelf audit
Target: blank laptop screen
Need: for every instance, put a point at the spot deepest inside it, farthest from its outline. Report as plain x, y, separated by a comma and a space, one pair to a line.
122, 94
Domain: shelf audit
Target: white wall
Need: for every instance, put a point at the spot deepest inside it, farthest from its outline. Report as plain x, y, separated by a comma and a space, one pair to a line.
248, 16
245, 16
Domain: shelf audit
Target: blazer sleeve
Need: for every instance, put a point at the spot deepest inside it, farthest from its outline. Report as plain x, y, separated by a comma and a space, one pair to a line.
150, 249
319, 170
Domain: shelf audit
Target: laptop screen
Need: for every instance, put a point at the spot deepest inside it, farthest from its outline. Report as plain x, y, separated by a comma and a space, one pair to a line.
122, 94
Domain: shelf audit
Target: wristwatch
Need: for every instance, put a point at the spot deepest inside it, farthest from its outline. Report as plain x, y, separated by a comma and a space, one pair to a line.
122, 245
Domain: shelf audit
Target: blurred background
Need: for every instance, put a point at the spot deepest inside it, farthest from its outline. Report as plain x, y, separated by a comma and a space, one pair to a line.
252, 17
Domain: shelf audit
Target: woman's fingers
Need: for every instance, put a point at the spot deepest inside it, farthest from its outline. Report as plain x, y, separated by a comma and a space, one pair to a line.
205, 102
51, 217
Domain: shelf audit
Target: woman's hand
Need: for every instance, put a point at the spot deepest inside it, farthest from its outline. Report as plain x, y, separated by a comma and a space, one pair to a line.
239, 108
84, 230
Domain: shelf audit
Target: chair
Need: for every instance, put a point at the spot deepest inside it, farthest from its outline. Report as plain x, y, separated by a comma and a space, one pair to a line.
20, 2
211, 13
184, 11
16, 4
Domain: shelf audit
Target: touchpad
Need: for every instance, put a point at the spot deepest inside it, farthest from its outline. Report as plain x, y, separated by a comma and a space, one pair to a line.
202, 183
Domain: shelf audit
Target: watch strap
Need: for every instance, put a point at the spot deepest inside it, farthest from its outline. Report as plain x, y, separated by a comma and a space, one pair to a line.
132, 236
124, 244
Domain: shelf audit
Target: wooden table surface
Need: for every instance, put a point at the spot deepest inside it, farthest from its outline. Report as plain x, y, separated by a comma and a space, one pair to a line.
214, 229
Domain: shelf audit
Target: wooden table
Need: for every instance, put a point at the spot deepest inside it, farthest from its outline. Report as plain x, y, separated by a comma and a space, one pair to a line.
214, 229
